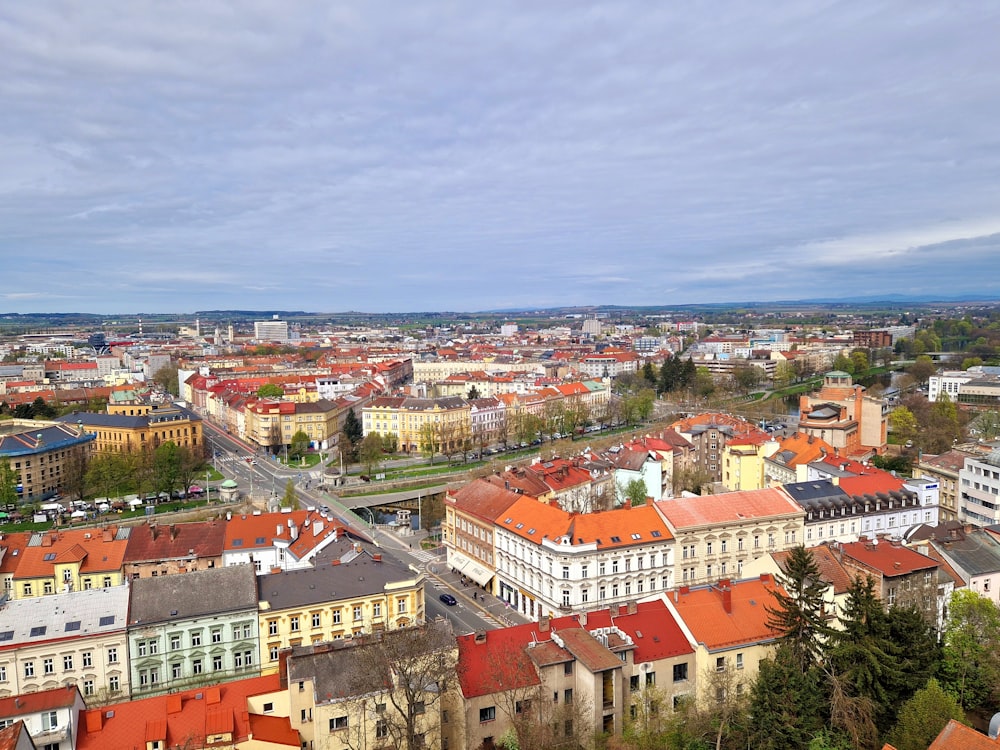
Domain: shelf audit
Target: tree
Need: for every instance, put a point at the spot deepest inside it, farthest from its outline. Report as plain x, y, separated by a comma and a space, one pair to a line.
8, 483
291, 497
788, 704
390, 442
971, 658
942, 427
843, 363
299, 445
799, 614
649, 374
746, 377
690, 479
427, 437
903, 423
270, 390
166, 377
166, 467
414, 669
634, 491
922, 369
112, 472
74, 475
370, 451
923, 717
473, 393
784, 375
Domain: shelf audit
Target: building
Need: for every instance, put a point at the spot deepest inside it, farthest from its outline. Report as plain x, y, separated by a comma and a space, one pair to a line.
727, 624
470, 515
271, 330
56, 641
944, 469
194, 629
716, 535
549, 560
44, 456
70, 560
159, 550
709, 433
418, 423
122, 433
788, 463
278, 541
973, 553
842, 414
51, 716
350, 594
979, 496
743, 461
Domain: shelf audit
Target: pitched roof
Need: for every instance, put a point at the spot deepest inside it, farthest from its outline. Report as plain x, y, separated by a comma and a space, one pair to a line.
830, 569
77, 614
484, 498
704, 612
888, 558
99, 550
799, 448
977, 552
11, 735
194, 594
180, 717
728, 507
173, 541
44, 700
956, 736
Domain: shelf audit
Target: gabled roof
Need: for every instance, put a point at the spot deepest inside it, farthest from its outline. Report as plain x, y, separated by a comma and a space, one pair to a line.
44, 700
173, 541
704, 612
195, 594
956, 736
728, 507
483, 498
12, 734
830, 569
97, 550
181, 717
799, 448
977, 553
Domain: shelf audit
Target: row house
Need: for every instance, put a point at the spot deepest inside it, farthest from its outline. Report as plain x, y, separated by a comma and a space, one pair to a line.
353, 591
415, 421
727, 623
944, 469
548, 560
575, 484
51, 718
787, 464
633, 463
71, 639
743, 460
973, 554
716, 535
487, 420
194, 629
676, 456
835, 578
599, 669
69, 560
609, 364
709, 433
166, 549
468, 527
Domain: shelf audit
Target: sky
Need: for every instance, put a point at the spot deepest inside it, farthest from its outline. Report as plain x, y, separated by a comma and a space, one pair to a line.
440, 155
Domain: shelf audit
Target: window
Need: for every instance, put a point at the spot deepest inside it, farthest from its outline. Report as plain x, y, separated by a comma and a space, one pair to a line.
381, 729
489, 713
68, 662
175, 671
401, 606
680, 672
238, 660
217, 663
338, 723
565, 572
315, 619
356, 612
112, 655
418, 707
708, 548
568, 668
268, 708
336, 616
29, 669
377, 609
739, 661
114, 683
175, 642
3, 674
47, 666
294, 623
568, 696
272, 653
196, 639
217, 635
720, 664
88, 687
722, 546
633, 683
197, 666
50, 720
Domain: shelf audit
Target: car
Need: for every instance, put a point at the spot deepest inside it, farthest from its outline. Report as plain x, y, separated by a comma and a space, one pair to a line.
448, 599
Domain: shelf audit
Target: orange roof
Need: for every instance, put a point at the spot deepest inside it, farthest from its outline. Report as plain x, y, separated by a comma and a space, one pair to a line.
10, 735
714, 625
44, 700
803, 448
97, 550
12, 546
888, 558
956, 736
191, 715
728, 507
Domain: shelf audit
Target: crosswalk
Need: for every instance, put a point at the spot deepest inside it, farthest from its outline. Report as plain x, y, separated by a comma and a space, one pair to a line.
424, 555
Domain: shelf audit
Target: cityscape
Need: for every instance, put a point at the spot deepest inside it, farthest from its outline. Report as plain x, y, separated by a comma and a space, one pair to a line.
593, 376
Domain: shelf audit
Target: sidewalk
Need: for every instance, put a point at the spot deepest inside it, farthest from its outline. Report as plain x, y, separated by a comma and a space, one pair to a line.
474, 596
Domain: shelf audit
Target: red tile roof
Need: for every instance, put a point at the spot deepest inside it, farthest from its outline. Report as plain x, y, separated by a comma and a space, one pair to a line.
44, 700
13, 545
171, 541
98, 549
887, 558
956, 736
728, 507
704, 612
182, 717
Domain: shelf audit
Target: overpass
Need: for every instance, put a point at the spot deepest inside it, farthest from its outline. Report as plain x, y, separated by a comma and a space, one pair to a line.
394, 498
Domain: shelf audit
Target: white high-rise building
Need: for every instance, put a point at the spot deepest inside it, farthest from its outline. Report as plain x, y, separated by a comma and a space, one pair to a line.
270, 330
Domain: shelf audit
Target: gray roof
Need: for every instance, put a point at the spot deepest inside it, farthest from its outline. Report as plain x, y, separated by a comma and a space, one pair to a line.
808, 494
188, 595
72, 615
977, 554
360, 576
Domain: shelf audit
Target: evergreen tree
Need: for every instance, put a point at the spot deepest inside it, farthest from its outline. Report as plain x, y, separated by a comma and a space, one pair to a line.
670, 375
649, 374
291, 497
799, 614
919, 652
689, 374
788, 704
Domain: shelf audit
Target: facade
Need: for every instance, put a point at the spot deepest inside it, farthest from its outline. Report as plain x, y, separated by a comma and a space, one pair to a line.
66, 639
709, 433
944, 469
843, 415
716, 535
445, 421
979, 496
974, 554
548, 560
194, 629
121, 433
271, 330
794, 452
743, 461
468, 530
43, 455
278, 541
355, 593
52, 717
71, 560
487, 418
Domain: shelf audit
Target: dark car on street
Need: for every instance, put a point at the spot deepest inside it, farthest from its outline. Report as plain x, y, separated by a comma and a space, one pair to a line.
448, 599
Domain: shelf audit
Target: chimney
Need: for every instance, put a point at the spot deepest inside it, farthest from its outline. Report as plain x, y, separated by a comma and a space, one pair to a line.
765, 577
107, 535
543, 624
727, 600
582, 619
685, 590
896, 565
152, 530
632, 607
835, 481
480, 637
377, 557
173, 532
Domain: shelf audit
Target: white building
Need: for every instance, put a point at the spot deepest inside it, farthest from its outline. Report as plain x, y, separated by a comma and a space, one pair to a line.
271, 330
979, 485
949, 381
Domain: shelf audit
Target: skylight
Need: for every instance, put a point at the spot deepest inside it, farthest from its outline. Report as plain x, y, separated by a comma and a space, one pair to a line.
49, 556
519, 526
259, 540
616, 539
74, 625
508, 520
655, 534
38, 630
237, 542
108, 620
7, 635
637, 536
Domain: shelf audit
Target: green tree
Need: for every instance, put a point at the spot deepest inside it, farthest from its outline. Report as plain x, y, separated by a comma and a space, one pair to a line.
270, 390
943, 426
788, 704
649, 374
859, 359
971, 655
971, 362
42, 410
8, 483
291, 497
798, 613
390, 442
634, 491
427, 437
922, 369
923, 717
746, 377
166, 467
473, 393
784, 375
370, 451
166, 377
112, 473
352, 427
843, 363
299, 445
903, 423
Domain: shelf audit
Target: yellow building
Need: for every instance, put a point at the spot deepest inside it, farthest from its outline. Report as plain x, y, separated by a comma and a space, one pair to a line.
272, 424
358, 592
413, 420
74, 560
743, 461
126, 433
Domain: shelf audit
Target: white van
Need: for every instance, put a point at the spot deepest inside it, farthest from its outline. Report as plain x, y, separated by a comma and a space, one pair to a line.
52, 508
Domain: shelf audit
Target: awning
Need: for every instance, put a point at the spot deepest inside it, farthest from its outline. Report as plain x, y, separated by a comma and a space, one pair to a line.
469, 567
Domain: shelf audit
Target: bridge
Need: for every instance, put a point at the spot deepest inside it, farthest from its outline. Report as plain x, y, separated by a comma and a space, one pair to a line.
396, 498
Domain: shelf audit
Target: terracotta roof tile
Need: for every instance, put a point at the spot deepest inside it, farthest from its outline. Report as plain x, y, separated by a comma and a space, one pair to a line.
728, 507
956, 736
887, 558
704, 612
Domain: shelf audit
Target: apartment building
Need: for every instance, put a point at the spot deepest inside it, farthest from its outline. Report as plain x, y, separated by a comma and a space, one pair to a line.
979, 496
70, 560
43, 455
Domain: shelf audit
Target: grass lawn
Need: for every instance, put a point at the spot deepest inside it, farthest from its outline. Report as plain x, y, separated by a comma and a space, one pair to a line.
306, 462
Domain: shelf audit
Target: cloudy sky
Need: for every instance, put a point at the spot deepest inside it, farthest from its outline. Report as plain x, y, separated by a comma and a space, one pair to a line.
435, 155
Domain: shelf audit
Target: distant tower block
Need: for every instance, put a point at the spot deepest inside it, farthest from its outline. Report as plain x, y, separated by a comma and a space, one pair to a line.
232, 334
197, 327
140, 327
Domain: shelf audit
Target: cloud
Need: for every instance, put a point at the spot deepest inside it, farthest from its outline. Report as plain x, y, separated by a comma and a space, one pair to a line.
378, 156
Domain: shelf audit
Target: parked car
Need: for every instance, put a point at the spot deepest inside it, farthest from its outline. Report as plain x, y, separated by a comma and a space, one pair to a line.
448, 599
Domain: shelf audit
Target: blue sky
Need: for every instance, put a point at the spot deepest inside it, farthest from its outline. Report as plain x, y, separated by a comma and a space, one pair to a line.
391, 156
